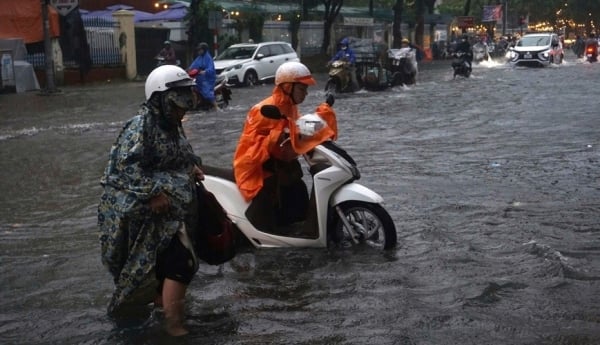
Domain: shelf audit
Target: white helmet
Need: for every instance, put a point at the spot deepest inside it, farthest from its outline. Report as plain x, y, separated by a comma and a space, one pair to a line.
294, 72
166, 77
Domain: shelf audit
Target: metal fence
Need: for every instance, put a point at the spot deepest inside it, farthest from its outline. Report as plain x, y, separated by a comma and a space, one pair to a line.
103, 40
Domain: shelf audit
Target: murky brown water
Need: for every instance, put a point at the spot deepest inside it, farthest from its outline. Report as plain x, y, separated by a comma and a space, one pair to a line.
492, 183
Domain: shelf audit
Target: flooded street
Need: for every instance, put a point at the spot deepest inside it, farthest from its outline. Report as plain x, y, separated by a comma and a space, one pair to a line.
493, 183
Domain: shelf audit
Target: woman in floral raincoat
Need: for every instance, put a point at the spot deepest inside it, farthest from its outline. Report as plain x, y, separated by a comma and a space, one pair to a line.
148, 209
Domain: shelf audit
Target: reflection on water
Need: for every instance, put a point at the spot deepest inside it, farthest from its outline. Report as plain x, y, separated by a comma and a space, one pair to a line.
492, 182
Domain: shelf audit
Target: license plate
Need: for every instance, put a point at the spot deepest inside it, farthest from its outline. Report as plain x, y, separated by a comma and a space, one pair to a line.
527, 56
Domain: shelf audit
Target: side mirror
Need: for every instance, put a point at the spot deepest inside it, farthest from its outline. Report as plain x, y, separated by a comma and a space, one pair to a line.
259, 56
271, 112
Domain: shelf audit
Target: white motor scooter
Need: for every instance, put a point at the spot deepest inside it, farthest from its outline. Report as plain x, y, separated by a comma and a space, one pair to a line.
344, 212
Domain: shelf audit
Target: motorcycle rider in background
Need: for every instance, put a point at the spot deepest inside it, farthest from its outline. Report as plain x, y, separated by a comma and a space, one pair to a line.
345, 53
205, 80
405, 43
168, 54
592, 43
465, 47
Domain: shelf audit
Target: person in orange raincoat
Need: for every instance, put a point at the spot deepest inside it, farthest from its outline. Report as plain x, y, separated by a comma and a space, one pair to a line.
265, 163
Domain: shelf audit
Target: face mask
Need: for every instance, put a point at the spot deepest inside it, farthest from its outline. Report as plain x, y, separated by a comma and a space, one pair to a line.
181, 97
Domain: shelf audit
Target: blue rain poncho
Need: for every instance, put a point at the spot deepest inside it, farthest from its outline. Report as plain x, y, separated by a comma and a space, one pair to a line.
205, 83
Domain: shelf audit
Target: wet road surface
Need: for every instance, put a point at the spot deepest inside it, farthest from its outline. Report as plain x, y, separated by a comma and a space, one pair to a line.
492, 183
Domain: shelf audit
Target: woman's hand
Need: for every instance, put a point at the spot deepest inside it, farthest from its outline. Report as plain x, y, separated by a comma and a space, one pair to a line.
160, 203
284, 149
197, 173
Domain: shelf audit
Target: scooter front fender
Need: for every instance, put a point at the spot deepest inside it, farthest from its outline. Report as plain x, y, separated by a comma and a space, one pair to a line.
354, 192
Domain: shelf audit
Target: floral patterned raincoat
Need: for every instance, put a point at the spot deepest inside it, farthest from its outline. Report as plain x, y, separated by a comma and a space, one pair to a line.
147, 158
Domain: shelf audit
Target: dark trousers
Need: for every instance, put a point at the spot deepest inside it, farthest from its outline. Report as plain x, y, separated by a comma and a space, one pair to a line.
283, 200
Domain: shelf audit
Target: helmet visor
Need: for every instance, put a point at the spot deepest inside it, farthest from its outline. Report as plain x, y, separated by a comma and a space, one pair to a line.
307, 80
180, 83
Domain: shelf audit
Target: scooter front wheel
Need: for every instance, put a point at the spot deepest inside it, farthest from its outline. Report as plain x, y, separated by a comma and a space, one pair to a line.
364, 223
332, 87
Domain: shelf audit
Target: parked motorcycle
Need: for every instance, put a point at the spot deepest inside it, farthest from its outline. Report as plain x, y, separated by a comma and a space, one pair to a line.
339, 78
591, 52
403, 66
341, 212
376, 78
221, 90
461, 65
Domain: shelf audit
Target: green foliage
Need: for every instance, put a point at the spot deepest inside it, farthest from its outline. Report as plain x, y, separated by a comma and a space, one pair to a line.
197, 19
453, 7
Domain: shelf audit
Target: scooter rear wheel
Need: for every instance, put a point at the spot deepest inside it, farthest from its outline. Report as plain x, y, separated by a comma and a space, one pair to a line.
371, 224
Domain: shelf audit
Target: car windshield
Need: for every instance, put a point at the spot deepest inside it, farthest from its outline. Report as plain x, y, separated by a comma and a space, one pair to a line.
237, 53
536, 41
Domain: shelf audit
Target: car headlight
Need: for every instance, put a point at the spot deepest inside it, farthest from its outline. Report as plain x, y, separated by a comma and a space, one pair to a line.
237, 66
546, 53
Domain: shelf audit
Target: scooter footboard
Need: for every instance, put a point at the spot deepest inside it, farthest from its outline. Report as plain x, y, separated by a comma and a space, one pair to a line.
355, 191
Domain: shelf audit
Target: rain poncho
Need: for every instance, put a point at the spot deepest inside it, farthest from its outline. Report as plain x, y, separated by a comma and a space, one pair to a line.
149, 157
260, 136
205, 83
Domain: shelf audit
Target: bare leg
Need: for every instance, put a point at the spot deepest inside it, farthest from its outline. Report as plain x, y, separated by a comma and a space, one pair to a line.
173, 303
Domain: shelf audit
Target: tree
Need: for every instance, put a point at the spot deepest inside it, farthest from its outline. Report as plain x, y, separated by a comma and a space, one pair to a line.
332, 9
396, 33
197, 19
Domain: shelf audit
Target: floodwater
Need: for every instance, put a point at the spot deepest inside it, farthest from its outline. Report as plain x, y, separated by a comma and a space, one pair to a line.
492, 182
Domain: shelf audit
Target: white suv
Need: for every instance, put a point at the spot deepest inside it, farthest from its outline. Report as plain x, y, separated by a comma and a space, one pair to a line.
537, 49
252, 63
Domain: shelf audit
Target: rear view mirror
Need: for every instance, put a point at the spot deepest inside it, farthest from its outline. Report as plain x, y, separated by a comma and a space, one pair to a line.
271, 112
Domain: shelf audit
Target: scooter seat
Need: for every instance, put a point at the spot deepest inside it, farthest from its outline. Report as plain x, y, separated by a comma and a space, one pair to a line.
223, 173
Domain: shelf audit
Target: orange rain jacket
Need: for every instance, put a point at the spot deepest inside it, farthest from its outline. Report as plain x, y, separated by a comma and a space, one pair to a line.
260, 140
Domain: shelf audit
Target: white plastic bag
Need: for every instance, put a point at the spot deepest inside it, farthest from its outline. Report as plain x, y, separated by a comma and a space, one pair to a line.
310, 124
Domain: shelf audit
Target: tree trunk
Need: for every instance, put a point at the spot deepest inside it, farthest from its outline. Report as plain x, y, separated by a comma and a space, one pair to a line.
396, 32
420, 22
467, 8
332, 9
466, 11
